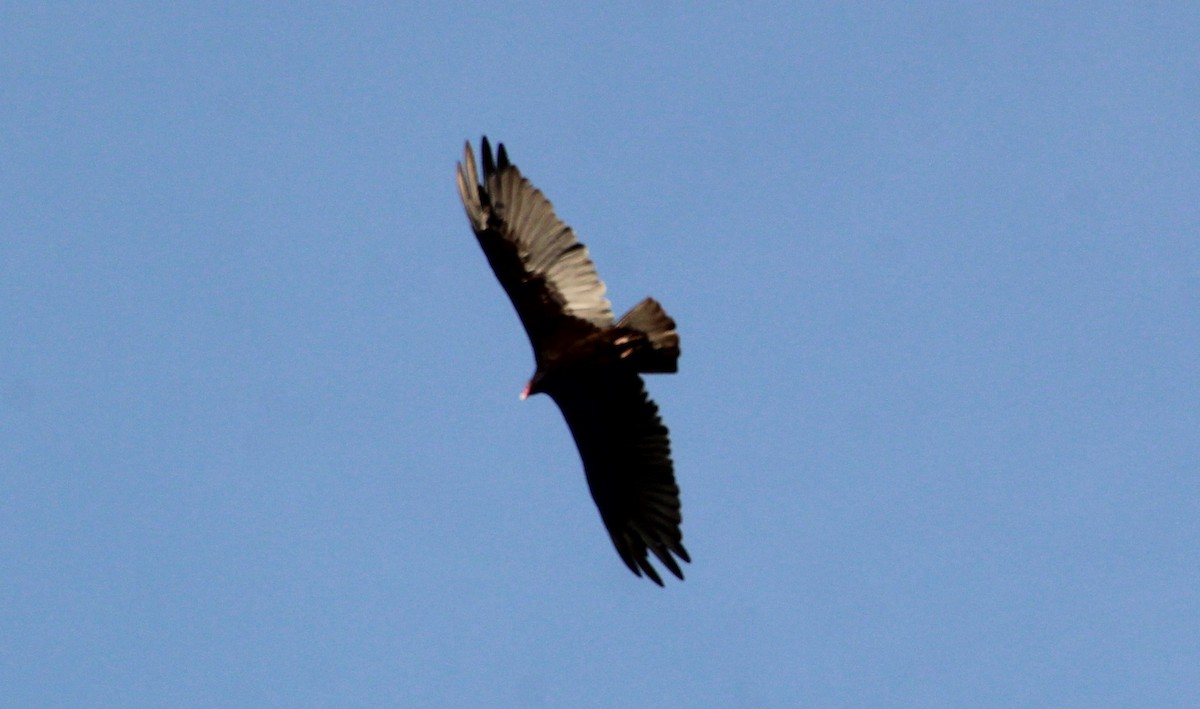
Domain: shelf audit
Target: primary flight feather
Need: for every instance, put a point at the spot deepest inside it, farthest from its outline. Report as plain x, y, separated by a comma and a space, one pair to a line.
586, 361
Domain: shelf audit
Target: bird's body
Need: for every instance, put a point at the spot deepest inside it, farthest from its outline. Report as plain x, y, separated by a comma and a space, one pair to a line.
587, 361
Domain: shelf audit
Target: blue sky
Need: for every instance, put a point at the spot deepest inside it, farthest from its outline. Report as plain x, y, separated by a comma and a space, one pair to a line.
937, 277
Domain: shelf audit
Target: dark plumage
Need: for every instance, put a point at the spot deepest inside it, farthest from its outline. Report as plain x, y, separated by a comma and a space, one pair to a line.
586, 362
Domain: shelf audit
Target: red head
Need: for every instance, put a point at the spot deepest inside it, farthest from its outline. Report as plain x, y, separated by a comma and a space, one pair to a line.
534, 386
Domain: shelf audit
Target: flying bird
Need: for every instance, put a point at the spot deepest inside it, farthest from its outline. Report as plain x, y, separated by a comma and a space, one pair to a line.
586, 361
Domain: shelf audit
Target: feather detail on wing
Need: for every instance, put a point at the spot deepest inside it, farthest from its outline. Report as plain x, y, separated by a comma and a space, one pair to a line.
546, 272
627, 458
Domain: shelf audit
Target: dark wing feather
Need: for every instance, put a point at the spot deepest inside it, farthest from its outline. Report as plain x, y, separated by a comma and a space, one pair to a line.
537, 259
627, 457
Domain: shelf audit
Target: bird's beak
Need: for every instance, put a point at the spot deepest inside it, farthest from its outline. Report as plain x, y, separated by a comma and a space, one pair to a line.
525, 393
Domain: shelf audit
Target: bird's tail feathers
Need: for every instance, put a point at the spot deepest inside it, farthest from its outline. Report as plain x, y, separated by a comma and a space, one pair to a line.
657, 351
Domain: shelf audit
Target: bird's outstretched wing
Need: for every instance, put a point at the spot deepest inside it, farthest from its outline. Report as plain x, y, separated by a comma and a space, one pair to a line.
627, 457
537, 259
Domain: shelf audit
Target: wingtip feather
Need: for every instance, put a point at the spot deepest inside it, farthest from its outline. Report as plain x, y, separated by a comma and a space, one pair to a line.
489, 165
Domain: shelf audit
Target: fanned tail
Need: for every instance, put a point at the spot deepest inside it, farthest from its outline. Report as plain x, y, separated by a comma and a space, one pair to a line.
653, 345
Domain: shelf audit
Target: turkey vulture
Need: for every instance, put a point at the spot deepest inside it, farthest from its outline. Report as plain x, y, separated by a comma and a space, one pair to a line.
587, 362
